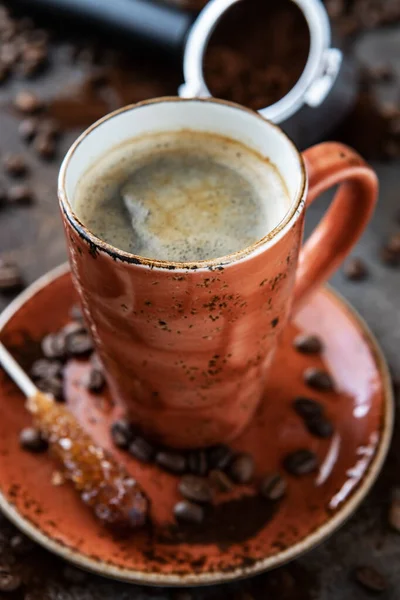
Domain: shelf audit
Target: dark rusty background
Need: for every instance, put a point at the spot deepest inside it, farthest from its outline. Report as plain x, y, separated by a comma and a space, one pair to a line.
33, 236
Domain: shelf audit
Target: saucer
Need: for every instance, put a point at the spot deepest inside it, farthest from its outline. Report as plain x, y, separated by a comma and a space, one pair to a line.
243, 534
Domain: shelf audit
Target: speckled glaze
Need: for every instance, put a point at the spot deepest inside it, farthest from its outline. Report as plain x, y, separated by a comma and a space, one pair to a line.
244, 534
187, 347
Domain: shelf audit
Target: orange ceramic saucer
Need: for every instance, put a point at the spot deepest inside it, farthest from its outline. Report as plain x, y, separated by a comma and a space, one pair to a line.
244, 534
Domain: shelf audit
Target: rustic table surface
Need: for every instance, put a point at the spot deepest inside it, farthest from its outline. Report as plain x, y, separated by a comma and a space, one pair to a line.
33, 236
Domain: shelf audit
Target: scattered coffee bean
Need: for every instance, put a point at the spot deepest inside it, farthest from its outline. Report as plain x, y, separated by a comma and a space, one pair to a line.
142, 450
73, 575
197, 462
45, 146
28, 102
95, 381
50, 128
188, 512
21, 545
32, 440
390, 254
121, 433
15, 165
53, 346
9, 581
319, 426
308, 344
273, 487
10, 276
307, 408
370, 579
300, 462
317, 379
219, 457
242, 468
20, 194
46, 369
79, 344
394, 510
52, 386
220, 481
196, 489
355, 269
175, 462
28, 128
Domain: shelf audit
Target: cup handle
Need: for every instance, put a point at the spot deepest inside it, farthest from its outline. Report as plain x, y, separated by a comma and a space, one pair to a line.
329, 164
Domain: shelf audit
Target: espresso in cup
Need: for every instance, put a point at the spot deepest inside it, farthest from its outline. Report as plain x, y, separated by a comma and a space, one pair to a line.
181, 196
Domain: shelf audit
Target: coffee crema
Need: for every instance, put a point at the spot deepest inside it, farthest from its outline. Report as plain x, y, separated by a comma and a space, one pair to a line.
181, 196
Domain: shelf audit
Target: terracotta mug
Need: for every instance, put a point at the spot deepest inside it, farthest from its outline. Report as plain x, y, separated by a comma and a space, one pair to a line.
187, 346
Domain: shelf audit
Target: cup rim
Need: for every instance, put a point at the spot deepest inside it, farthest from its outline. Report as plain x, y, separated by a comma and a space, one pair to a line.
96, 244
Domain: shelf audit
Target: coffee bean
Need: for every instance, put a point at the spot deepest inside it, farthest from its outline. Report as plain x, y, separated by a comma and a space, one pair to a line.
300, 462
394, 510
242, 468
21, 545
95, 381
219, 457
196, 489
28, 128
273, 487
391, 251
142, 450
73, 575
9, 582
32, 440
220, 481
175, 462
308, 344
28, 102
355, 269
49, 127
15, 165
45, 369
188, 512
10, 276
380, 73
76, 313
197, 462
52, 386
21, 195
319, 426
45, 146
307, 408
370, 579
53, 346
317, 379
121, 433
79, 344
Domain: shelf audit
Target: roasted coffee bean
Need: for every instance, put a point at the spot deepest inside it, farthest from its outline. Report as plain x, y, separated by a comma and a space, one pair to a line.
394, 510
28, 128
319, 426
391, 251
45, 369
172, 461
188, 512
142, 450
45, 146
76, 313
21, 195
73, 575
317, 379
52, 386
242, 468
219, 456
10, 276
307, 408
300, 462
21, 545
28, 102
370, 579
196, 489
355, 269
15, 165
79, 344
121, 433
9, 581
49, 127
31, 440
273, 487
53, 346
220, 481
95, 381
308, 344
197, 462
